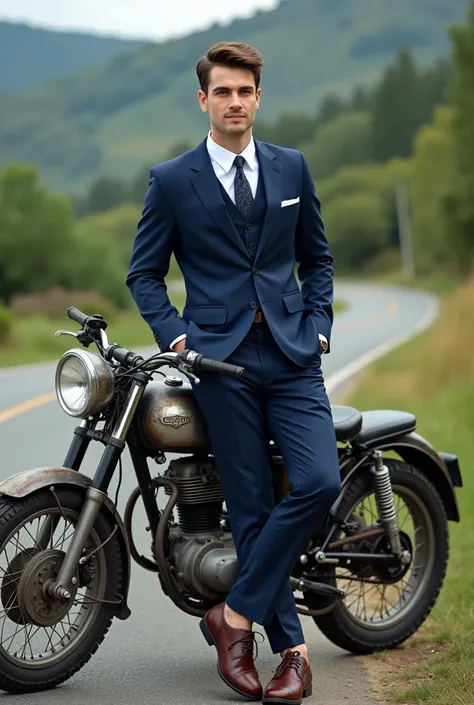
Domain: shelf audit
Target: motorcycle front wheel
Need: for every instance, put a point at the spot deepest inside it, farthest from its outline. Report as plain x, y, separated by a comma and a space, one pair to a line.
381, 611
44, 640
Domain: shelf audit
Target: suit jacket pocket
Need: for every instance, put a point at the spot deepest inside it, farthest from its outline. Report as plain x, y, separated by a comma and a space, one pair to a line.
205, 315
294, 301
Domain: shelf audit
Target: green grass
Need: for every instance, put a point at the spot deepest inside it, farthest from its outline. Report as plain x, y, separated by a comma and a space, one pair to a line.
339, 306
433, 377
34, 339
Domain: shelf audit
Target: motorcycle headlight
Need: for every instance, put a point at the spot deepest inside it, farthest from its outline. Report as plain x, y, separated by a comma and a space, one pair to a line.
84, 383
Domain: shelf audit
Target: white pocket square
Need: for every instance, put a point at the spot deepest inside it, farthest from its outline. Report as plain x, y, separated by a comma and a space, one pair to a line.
290, 202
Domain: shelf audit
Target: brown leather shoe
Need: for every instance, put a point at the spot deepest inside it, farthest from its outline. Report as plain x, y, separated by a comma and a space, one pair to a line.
235, 663
292, 681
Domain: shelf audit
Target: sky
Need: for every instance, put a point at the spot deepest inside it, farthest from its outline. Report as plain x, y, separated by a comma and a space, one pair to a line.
147, 19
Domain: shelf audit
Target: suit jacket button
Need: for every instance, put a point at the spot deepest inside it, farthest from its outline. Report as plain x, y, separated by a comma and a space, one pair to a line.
253, 304
255, 271
249, 226
251, 245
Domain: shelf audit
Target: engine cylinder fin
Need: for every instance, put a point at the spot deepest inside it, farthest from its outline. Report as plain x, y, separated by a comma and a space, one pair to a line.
195, 492
201, 519
200, 495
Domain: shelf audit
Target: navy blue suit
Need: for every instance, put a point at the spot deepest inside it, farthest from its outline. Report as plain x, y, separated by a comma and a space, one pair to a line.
232, 267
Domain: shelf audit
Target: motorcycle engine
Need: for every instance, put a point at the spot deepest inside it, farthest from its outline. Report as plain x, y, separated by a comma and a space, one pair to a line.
201, 546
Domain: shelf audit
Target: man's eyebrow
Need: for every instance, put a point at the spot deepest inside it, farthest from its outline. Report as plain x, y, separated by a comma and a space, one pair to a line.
220, 88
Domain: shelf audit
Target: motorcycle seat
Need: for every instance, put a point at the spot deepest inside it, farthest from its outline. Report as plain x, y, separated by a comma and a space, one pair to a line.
347, 422
381, 424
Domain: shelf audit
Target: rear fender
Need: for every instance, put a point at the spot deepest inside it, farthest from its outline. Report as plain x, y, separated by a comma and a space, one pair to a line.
25, 483
442, 469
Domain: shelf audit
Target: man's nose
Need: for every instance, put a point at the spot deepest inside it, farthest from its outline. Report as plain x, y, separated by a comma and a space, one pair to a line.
236, 101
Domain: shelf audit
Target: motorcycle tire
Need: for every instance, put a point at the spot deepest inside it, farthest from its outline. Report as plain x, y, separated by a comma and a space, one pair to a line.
339, 625
16, 678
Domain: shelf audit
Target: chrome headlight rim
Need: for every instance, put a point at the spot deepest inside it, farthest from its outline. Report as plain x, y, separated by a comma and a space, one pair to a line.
99, 379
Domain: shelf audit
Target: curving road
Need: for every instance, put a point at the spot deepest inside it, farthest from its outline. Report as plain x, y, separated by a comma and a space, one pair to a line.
159, 655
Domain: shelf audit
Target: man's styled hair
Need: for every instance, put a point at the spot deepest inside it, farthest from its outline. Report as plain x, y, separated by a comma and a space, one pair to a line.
233, 55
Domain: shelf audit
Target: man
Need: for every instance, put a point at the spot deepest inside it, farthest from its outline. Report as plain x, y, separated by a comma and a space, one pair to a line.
238, 214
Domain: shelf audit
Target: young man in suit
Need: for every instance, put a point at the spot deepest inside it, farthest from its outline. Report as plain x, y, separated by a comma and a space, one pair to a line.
239, 214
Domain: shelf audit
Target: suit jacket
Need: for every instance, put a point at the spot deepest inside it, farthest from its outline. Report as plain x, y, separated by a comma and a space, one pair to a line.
184, 212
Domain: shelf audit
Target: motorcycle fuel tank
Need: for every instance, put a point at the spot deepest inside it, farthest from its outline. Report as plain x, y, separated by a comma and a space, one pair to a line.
170, 420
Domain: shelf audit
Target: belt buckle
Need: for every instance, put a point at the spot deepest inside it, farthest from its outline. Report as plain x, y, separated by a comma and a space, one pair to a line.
258, 318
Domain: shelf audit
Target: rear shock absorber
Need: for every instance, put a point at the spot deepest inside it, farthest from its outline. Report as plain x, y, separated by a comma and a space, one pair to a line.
385, 503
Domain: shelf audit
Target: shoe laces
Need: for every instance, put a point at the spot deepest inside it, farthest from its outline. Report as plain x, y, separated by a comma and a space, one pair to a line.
247, 643
292, 659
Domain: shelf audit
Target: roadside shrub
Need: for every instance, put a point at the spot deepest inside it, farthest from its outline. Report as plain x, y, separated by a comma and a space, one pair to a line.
55, 302
6, 324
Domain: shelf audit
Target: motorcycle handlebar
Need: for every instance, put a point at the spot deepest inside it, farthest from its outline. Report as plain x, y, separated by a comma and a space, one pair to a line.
204, 364
127, 358
76, 315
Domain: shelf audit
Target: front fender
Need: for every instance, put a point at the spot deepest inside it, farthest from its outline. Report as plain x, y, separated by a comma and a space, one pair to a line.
29, 481
417, 451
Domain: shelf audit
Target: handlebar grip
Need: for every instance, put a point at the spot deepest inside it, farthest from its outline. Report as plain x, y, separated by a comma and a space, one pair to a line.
223, 368
76, 315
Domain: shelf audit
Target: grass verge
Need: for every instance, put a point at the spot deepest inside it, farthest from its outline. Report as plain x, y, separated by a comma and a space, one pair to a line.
33, 338
433, 376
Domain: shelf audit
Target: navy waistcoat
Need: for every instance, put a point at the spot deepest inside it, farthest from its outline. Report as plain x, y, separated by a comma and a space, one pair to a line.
249, 229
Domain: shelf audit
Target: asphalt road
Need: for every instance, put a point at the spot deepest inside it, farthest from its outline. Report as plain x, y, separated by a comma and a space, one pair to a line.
159, 655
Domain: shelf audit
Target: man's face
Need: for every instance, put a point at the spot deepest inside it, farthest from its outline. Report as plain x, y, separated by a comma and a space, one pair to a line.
231, 100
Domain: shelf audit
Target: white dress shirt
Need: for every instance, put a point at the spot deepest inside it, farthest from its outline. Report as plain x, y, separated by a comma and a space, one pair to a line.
223, 164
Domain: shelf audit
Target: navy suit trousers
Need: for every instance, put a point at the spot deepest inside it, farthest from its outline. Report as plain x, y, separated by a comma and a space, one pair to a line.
288, 403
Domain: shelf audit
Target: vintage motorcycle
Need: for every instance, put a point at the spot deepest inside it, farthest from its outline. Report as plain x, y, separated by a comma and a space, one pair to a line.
368, 583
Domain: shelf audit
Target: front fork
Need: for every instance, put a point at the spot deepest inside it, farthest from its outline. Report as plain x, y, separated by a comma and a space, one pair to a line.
95, 496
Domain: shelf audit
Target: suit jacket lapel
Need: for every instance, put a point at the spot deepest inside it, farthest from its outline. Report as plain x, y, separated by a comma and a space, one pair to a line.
272, 178
207, 187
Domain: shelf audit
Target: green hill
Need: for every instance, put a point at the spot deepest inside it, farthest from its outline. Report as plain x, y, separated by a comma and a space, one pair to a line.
113, 117
31, 55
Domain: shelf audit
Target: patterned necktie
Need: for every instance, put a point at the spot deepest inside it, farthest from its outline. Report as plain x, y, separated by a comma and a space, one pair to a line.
243, 192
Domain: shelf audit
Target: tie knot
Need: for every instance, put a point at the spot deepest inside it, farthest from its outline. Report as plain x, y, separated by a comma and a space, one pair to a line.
239, 161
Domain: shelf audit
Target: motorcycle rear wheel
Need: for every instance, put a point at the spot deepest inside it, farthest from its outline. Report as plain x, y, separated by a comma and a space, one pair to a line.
44, 659
361, 635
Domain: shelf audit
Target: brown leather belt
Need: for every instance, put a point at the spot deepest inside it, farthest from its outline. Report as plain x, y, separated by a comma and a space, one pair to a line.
258, 317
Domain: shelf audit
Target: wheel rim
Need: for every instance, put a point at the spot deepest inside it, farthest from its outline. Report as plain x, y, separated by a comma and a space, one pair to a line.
379, 606
27, 644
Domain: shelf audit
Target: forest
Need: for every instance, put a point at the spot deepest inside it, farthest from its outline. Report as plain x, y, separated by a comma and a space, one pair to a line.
413, 128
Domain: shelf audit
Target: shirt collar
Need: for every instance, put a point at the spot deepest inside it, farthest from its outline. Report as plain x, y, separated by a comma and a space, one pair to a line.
225, 159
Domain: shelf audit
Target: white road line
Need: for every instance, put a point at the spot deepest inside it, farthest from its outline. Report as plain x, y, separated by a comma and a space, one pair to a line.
367, 358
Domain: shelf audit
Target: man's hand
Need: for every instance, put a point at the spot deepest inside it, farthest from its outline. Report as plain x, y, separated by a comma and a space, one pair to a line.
180, 346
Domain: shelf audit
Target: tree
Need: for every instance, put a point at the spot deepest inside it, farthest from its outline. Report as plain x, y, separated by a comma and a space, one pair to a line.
289, 130
430, 185
358, 228
331, 107
459, 204
36, 233
105, 193
340, 142
361, 99
397, 110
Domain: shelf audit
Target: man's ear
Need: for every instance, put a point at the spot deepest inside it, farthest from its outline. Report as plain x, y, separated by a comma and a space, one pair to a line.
202, 97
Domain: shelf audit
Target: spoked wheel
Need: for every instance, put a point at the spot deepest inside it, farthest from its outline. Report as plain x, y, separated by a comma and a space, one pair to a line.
384, 606
44, 640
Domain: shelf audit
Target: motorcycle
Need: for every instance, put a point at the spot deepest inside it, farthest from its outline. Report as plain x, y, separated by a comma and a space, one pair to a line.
368, 583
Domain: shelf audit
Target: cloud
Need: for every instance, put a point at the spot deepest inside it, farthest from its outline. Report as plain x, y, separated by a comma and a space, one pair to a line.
155, 19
